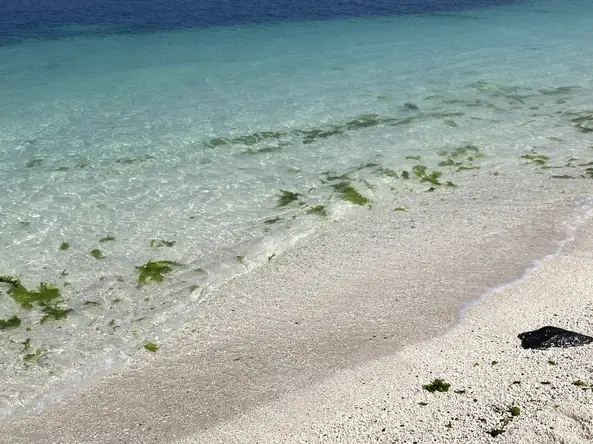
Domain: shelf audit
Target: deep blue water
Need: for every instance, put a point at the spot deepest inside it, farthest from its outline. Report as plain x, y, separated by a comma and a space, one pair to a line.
54, 19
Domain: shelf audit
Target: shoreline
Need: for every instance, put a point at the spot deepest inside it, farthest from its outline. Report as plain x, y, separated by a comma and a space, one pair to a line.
318, 311
549, 391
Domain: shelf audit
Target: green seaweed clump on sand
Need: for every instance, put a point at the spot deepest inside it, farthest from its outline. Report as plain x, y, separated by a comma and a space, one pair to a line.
54, 313
514, 411
154, 271
151, 347
461, 158
438, 385
583, 122
319, 210
350, 194
287, 197
29, 358
425, 176
106, 239
12, 322
44, 296
64, 246
383, 171
495, 432
96, 253
538, 159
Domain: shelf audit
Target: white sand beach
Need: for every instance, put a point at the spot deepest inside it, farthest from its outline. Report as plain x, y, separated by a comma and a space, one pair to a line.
332, 342
489, 374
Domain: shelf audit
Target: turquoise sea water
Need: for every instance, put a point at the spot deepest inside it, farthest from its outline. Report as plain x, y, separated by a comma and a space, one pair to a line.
173, 145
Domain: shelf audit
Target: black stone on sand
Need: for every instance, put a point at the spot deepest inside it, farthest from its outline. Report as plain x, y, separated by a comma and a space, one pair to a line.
548, 336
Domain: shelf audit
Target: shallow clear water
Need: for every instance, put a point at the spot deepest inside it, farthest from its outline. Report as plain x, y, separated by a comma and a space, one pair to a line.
188, 136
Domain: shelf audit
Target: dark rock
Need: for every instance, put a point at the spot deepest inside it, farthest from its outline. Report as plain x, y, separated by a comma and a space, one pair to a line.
548, 336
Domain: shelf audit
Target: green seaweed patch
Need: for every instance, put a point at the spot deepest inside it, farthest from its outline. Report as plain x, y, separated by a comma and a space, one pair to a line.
583, 122
96, 253
64, 246
562, 176
106, 239
405, 175
469, 151
437, 385
12, 322
424, 175
151, 347
240, 259
535, 158
318, 209
43, 296
160, 243
417, 158
154, 271
54, 313
514, 411
461, 158
30, 358
350, 194
93, 303
313, 135
450, 162
402, 209
432, 177
287, 197
388, 172
495, 432
419, 170
273, 220
580, 383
